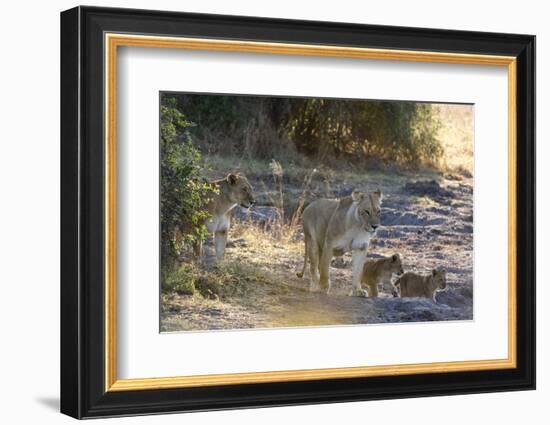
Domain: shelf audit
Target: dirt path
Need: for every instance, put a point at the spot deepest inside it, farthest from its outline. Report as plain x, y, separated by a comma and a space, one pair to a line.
429, 223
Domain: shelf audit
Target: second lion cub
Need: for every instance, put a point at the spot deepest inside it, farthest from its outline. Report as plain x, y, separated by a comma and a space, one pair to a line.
380, 271
414, 285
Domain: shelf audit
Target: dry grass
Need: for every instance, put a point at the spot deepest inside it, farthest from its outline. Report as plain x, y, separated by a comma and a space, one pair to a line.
262, 247
457, 137
424, 201
228, 279
244, 271
283, 229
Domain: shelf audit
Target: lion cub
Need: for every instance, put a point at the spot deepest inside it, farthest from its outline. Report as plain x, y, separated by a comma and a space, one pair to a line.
414, 285
380, 271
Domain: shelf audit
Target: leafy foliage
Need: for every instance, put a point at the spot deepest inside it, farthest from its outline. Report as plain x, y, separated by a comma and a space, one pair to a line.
262, 127
180, 279
183, 195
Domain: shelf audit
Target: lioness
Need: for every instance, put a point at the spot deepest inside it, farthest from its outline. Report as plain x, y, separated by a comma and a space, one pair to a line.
333, 227
380, 271
414, 285
233, 190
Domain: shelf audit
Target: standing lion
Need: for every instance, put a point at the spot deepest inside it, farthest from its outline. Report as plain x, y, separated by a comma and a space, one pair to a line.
233, 190
333, 227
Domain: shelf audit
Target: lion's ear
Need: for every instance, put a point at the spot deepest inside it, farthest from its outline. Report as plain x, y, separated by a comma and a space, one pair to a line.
231, 178
434, 272
378, 193
357, 195
395, 257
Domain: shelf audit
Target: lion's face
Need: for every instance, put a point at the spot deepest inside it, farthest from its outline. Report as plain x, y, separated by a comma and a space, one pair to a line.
368, 209
396, 266
439, 278
240, 190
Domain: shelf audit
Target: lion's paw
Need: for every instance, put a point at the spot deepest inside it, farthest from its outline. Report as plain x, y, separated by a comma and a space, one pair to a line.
314, 287
358, 292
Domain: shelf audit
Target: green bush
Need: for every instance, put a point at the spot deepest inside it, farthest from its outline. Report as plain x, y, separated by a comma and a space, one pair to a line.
183, 194
180, 279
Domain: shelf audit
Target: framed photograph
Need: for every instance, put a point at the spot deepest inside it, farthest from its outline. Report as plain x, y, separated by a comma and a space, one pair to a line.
261, 212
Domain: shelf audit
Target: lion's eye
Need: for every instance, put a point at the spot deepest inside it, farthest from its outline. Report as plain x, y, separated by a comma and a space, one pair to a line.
366, 212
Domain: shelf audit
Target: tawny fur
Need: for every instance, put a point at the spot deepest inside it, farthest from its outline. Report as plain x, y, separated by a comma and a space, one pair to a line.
414, 285
233, 190
380, 272
333, 227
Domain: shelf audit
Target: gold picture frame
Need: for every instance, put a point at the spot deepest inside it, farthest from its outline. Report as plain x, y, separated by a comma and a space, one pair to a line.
114, 41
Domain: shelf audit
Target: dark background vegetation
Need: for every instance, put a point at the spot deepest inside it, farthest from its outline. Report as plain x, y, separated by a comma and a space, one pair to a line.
264, 127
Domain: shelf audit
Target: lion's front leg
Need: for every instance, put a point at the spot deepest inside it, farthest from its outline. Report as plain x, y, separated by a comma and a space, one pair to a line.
358, 259
220, 240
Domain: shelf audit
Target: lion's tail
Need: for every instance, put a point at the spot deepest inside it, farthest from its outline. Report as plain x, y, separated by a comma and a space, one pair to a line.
301, 274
